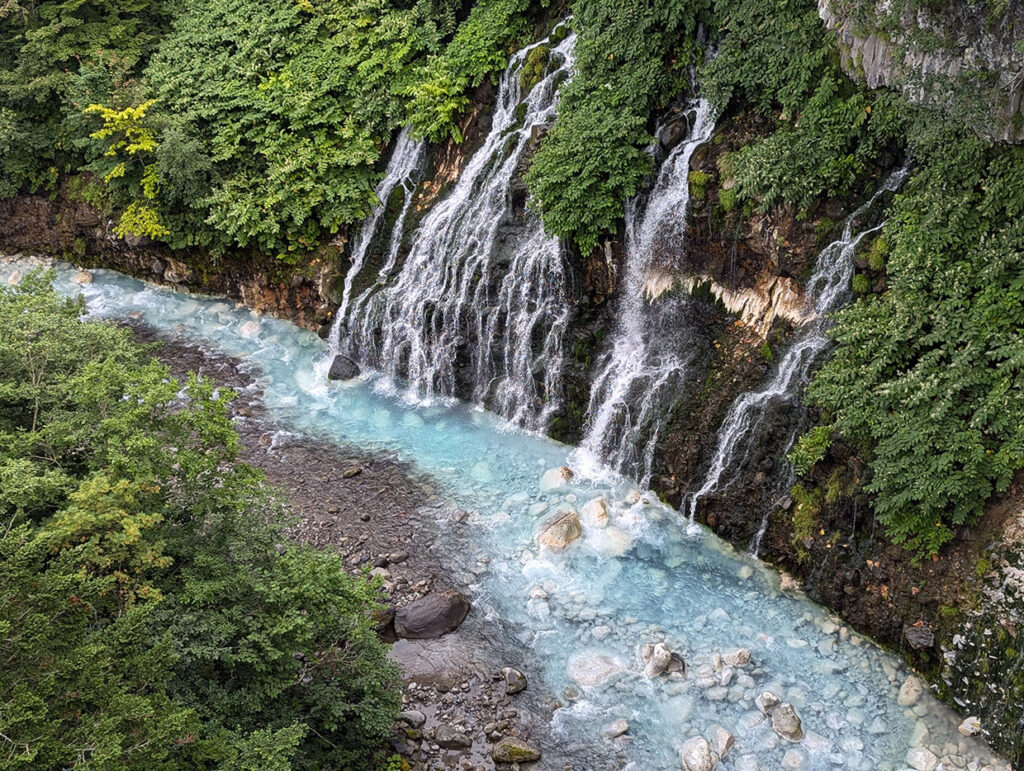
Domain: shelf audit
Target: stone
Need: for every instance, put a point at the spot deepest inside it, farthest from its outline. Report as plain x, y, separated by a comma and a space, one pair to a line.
793, 760
451, 738
560, 531
15, 278
84, 277
249, 329
555, 478
590, 669
343, 368
514, 750
658, 661
786, 723
614, 542
767, 702
721, 741
595, 513
970, 727
921, 759
353, 471
616, 729
737, 658
414, 718
910, 691
515, 681
431, 616
697, 755
919, 635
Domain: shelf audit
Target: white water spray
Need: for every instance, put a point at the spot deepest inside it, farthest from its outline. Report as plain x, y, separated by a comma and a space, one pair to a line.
639, 374
827, 291
478, 308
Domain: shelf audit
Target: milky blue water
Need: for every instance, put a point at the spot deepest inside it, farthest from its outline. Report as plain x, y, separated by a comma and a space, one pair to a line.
585, 612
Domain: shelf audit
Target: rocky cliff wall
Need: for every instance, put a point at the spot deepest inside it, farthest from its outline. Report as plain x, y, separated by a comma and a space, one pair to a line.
967, 57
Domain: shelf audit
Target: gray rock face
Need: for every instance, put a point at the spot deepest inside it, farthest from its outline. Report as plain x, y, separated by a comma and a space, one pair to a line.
431, 616
343, 368
697, 755
451, 738
975, 71
513, 750
919, 637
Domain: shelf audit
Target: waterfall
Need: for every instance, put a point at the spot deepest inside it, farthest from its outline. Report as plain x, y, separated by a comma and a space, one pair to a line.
406, 160
479, 306
644, 367
827, 290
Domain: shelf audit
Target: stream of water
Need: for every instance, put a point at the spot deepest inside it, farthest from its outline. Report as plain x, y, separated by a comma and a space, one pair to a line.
584, 613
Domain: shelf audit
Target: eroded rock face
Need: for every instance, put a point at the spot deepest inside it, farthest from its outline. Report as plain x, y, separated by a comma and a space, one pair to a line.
431, 616
560, 531
975, 70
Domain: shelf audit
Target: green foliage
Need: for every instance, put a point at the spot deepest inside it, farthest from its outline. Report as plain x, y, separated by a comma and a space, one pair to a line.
479, 48
810, 448
727, 199
147, 615
878, 254
284, 125
931, 373
698, 181
777, 59
631, 58
806, 508
861, 284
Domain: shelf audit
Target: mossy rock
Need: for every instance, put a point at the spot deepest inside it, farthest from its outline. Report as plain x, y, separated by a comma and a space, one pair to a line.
513, 750
533, 68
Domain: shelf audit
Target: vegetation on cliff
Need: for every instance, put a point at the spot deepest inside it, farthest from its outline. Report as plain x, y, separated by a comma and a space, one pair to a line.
149, 615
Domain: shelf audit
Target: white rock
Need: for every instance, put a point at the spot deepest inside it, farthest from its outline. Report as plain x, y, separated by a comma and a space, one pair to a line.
595, 513
560, 531
658, 661
922, 759
84, 277
249, 329
910, 691
616, 729
737, 658
555, 478
970, 727
589, 668
721, 741
767, 702
747, 763
697, 755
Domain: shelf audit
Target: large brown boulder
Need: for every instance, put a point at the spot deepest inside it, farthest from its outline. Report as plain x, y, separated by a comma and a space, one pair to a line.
431, 616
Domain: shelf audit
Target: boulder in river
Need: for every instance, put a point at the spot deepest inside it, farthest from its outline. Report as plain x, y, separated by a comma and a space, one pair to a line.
786, 723
451, 738
514, 750
595, 513
431, 616
343, 368
697, 755
560, 531
555, 478
658, 660
515, 681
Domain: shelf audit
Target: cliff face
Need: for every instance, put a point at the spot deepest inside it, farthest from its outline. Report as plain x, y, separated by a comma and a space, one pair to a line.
964, 56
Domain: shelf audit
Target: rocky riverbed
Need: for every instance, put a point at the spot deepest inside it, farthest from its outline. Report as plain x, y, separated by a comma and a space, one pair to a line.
461, 709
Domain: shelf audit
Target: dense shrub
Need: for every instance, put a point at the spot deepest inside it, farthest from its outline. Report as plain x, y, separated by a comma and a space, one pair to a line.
147, 616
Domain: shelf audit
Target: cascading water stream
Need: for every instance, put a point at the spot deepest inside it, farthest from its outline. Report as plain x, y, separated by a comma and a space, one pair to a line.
480, 304
642, 370
827, 290
406, 160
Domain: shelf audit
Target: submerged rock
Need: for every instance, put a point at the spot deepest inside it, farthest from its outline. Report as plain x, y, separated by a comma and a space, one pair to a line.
513, 750
910, 692
721, 741
431, 616
767, 702
786, 723
737, 658
922, 759
85, 277
343, 368
617, 728
560, 531
590, 669
697, 755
